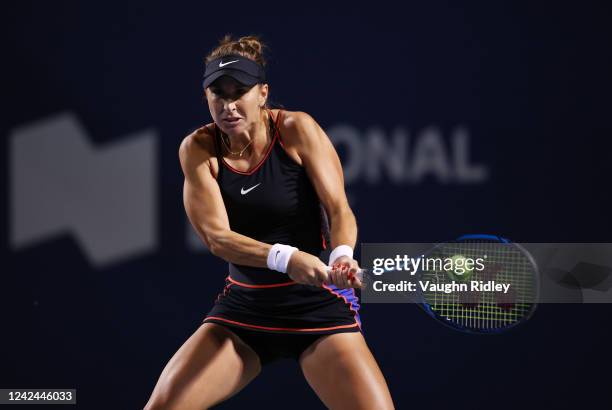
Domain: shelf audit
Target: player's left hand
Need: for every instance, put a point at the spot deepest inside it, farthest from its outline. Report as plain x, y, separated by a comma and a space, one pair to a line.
343, 273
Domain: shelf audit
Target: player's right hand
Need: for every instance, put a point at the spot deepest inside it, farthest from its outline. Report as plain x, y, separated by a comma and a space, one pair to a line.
343, 273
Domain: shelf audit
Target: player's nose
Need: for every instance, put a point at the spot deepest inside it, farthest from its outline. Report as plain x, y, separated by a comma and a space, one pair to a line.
229, 105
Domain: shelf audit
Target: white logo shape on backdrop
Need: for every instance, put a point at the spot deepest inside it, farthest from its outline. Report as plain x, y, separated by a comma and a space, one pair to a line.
104, 197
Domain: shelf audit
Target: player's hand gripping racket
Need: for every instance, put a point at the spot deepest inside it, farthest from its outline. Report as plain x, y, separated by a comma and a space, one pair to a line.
476, 311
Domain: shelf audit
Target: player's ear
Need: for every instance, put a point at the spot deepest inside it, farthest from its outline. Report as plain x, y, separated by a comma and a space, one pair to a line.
263, 94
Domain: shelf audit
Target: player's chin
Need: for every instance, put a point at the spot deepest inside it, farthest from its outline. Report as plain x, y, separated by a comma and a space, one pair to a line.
230, 132
233, 127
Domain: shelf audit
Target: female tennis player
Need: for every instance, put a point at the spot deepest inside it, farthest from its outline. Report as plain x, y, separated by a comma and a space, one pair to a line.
255, 181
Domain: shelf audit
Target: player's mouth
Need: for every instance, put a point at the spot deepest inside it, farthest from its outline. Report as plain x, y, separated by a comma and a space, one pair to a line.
231, 122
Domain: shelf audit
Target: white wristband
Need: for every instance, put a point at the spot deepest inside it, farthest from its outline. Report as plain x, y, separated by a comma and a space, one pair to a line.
341, 250
278, 257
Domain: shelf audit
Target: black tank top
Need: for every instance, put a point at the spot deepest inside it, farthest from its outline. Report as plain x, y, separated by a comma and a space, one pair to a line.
274, 202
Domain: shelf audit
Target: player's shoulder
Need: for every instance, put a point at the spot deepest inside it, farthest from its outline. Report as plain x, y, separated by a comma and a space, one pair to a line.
199, 143
296, 126
293, 120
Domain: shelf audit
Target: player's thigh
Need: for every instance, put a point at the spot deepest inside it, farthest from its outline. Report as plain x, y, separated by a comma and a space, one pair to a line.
342, 371
211, 366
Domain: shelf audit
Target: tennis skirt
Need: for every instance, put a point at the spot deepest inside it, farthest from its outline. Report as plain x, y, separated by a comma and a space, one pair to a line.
286, 308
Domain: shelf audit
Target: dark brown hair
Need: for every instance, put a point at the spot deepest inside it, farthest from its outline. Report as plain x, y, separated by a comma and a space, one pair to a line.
250, 47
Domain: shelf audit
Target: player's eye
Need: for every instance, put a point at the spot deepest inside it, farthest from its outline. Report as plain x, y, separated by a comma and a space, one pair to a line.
234, 94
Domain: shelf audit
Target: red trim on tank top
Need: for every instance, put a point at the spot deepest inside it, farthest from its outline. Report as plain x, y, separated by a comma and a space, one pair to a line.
282, 144
265, 157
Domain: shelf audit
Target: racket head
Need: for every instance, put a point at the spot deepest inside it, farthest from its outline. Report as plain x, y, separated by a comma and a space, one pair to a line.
482, 312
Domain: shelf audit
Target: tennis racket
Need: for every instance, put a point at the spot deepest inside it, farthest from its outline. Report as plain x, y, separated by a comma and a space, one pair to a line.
476, 311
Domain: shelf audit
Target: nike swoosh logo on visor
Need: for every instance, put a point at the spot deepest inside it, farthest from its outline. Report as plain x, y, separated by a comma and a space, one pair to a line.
246, 191
222, 64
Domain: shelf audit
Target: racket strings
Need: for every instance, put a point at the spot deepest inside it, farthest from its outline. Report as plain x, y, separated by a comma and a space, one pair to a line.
484, 310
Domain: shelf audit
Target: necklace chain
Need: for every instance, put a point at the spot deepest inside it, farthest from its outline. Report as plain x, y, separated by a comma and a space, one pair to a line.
237, 152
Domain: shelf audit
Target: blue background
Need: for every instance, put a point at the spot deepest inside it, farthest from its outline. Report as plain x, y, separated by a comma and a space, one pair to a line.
531, 82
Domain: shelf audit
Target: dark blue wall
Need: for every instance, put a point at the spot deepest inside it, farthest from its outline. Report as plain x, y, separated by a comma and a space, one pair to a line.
529, 82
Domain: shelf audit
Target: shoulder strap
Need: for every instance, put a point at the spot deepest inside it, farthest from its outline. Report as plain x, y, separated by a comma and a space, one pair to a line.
280, 112
276, 122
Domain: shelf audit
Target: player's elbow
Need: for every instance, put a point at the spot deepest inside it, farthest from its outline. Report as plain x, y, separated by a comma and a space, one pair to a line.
216, 241
342, 213
211, 238
214, 248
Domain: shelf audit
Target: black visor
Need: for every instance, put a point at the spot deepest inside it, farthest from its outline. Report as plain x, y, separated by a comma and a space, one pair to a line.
239, 68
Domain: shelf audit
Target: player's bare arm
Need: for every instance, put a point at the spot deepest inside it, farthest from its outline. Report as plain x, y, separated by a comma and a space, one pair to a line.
311, 145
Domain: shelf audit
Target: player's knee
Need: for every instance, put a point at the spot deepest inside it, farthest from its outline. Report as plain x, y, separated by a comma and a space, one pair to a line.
163, 398
154, 404
385, 405
164, 403
381, 399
